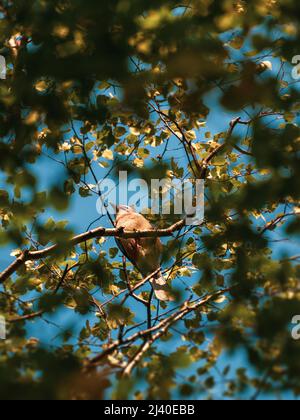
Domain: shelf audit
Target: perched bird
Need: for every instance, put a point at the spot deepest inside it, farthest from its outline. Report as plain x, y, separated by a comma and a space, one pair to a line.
143, 253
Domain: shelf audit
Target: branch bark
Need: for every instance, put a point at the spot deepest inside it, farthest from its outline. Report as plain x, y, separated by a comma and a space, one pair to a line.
274, 223
96, 233
162, 328
26, 317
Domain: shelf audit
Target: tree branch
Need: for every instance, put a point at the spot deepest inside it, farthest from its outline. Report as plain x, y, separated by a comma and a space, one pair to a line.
274, 223
205, 162
96, 233
138, 357
26, 317
162, 328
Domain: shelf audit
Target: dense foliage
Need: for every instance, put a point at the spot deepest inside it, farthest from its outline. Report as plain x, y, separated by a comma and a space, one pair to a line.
97, 86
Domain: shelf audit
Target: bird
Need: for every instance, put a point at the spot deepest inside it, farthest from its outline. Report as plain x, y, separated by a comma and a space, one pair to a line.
143, 253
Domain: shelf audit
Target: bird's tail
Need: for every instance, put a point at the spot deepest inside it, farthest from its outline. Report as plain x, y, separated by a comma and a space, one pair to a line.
161, 288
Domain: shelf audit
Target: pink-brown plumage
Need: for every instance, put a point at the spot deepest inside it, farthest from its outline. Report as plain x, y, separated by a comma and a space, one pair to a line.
144, 253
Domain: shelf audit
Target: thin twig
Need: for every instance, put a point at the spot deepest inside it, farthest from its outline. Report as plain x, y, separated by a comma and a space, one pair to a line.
131, 293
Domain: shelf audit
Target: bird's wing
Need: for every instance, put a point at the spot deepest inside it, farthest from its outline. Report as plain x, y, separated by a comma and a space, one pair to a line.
129, 250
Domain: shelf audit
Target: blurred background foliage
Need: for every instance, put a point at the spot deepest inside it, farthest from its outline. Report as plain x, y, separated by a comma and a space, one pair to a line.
99, 86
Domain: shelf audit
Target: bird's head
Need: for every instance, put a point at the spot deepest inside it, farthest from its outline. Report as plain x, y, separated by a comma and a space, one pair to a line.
123, 209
